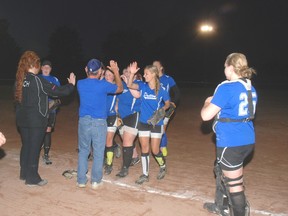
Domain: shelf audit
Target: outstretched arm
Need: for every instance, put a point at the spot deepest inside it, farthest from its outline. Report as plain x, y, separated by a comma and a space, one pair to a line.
133, 68
114, 67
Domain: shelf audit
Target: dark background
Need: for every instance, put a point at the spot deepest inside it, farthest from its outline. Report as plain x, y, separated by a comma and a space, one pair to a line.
69, 33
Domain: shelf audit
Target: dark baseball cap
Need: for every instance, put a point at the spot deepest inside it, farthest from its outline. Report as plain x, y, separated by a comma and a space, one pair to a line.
93, 65
46, 62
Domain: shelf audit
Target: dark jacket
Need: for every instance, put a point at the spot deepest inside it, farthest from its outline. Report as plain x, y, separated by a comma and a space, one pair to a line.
33, 109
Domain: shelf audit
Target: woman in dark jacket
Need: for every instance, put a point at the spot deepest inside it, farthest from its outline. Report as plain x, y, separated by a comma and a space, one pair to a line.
31, 95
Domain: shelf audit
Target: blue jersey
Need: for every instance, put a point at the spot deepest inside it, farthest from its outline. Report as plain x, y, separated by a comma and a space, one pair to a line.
53, 80
167, 82
111, 102
150, 102
127, 104
232, 98
93, 97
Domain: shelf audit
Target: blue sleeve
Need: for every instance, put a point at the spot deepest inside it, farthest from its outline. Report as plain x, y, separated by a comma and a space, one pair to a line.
221, 96
57, 82
110, 87
172, 82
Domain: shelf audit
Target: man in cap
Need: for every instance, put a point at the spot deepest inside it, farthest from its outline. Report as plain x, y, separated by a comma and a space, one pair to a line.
92, 126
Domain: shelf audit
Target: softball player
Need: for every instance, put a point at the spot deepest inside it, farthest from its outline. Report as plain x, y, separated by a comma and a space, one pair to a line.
111, 124
128, 109
233, 104
152, 98
168, 83
46, 70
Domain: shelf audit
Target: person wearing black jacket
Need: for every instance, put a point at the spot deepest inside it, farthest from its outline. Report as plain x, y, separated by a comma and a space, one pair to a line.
31, 95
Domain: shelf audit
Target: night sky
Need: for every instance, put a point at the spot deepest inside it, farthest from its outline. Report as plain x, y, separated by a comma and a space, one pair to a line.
258, 28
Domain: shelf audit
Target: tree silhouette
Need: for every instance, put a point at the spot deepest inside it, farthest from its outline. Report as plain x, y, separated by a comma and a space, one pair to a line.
9, 53
65, 52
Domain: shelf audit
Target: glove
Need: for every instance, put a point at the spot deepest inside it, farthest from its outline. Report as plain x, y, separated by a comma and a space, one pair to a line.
157, 116
170, 110
119, 122
69, 173
54, 104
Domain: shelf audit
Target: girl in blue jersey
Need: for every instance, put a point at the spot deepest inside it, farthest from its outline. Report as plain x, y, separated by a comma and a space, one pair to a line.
128, 109
168, 83
233, 106
152, 98
111, 124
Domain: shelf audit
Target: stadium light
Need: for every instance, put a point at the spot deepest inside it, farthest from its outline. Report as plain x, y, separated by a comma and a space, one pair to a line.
206, 28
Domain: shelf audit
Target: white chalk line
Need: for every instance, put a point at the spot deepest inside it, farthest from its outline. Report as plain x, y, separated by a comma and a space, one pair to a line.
190, 195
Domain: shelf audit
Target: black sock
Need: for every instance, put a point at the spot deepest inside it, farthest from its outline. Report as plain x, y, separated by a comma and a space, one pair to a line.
47, 143
127, 156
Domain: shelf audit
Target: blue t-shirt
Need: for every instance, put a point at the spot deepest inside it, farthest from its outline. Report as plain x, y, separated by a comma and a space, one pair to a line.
232, 98
150, 102
53, 80
93, 97
127, 104
167, 82
111, 102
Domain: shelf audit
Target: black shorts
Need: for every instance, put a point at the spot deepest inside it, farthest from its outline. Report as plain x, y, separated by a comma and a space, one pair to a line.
131, 120
146, 130
232, 158
111, 121
51, 119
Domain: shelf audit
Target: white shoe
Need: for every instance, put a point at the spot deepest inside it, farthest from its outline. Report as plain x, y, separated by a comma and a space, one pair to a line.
95, 185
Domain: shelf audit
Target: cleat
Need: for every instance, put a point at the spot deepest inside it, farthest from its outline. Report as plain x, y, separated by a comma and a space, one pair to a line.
108, 169
161, 173
117, 151
213, 208
46, 160
96, 185
123, 172
135, 161
143, 178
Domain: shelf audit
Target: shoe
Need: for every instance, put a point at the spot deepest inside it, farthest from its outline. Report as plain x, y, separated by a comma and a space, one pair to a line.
81, 185
46, 160
117, 151
143, 178
123, 172
135, 161
95, 185
108, 169
41, 183
161, 173
213, 208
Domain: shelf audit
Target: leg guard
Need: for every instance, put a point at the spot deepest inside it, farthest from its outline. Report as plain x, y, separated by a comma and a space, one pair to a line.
160, 159
47, 143
109, 155
238, 205
221, 199
127, 156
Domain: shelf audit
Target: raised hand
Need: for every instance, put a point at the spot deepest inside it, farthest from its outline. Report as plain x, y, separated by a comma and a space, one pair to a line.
72, 78
113, 66
133, 68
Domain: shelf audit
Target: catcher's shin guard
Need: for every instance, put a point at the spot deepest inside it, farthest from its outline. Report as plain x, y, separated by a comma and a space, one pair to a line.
47, 143
238, 204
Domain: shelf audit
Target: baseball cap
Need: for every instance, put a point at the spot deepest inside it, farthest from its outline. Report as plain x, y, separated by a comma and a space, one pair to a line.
93, 65
46, 62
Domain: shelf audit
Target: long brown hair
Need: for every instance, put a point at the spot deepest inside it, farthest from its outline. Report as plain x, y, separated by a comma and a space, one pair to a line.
28, 60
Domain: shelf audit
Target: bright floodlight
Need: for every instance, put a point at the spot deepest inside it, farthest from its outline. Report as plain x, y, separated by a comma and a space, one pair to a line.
206, 28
